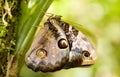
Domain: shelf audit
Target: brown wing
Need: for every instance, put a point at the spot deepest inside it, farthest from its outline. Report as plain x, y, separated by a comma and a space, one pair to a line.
49, 50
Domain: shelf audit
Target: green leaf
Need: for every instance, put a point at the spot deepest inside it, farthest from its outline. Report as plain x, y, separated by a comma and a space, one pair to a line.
31, 15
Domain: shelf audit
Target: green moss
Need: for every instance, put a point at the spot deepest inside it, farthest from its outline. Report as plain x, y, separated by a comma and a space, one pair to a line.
8, 19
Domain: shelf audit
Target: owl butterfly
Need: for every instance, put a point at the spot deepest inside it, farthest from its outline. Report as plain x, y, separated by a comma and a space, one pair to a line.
59, 46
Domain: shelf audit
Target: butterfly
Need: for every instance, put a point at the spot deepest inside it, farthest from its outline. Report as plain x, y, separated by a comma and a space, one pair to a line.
58, 45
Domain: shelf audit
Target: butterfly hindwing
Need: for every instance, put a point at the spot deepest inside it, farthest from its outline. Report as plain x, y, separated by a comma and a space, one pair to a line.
49, 50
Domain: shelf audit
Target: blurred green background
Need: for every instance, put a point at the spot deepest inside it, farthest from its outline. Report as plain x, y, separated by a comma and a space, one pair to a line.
101, 17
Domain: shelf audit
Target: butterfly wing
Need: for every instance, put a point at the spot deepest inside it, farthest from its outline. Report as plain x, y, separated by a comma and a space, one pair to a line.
59, 45
50, 49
